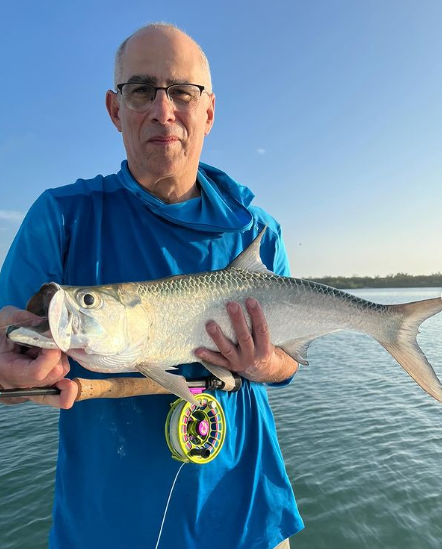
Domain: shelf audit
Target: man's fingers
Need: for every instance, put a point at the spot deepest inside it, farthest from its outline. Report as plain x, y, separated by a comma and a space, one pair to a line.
69, 392
32, 352
58, 372
242, 331
36, 367
42, 367
12, 315
225, 346
65, 400
213, 357
254, 350
23, 371
261, 335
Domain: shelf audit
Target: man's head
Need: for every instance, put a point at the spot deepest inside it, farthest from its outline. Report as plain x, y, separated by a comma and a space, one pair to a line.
118, 68
164, 139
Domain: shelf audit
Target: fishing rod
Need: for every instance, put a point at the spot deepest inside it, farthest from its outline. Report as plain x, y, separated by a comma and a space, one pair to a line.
194, 433
121, 387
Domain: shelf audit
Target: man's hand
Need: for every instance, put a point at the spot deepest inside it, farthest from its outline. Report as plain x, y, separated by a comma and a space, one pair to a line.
34, 368
254, 357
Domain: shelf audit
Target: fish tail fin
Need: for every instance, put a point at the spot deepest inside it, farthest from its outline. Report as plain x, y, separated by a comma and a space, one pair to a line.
401, 343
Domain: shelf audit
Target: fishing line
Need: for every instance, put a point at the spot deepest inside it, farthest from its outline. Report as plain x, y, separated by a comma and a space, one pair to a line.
167, 505
174, 428
196, 433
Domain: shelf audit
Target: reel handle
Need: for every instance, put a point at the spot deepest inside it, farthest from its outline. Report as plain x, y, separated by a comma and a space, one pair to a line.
117, 387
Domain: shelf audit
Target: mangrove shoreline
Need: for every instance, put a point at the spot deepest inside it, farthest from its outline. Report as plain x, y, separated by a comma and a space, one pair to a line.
399, 280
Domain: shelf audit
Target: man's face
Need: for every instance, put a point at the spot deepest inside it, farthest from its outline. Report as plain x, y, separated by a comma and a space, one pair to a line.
162, 141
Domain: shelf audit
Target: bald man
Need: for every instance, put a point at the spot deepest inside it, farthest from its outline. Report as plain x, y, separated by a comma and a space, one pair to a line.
164, 213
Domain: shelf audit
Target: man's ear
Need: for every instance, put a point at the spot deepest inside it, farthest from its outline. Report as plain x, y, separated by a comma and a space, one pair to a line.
210, 115
113, 108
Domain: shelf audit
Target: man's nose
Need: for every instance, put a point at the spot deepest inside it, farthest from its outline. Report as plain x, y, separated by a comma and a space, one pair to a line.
162, 109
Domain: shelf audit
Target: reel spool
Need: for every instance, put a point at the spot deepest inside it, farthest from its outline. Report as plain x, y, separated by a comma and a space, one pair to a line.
196, 433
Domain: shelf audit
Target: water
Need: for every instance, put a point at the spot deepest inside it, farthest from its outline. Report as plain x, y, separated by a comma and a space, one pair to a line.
28, 452
362, 444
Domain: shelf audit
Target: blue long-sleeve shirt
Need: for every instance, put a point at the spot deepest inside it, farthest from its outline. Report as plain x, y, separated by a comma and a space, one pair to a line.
114, 468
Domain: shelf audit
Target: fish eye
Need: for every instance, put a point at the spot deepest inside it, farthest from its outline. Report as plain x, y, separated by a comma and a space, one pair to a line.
88, 300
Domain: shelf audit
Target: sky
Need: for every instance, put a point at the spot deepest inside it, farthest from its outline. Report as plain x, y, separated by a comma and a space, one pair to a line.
330, 111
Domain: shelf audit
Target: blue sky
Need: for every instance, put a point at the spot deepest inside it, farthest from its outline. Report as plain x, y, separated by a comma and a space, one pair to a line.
330, 111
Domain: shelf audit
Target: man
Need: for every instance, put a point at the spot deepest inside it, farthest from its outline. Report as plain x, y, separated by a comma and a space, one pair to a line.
164, 213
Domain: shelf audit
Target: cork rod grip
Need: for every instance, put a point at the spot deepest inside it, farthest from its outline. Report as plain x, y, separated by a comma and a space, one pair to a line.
117, 387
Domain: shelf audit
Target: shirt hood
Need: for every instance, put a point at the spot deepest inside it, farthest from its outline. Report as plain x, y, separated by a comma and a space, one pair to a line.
221, 207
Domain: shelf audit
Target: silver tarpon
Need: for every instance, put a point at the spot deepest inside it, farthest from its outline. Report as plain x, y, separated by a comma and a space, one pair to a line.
153, 326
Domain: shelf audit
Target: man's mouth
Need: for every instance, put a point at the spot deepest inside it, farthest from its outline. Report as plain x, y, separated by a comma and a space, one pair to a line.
163, 140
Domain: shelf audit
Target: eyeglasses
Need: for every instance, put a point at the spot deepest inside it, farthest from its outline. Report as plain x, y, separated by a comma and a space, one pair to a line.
139, 97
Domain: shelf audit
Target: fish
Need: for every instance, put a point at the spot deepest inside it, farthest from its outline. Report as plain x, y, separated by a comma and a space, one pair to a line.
154, 326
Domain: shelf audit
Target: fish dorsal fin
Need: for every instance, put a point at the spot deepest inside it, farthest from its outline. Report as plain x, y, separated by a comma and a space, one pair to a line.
250, 259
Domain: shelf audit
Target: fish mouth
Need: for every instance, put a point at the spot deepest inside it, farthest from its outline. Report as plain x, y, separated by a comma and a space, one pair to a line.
51, 303
56, 331
60, 320
64, 325
42, 334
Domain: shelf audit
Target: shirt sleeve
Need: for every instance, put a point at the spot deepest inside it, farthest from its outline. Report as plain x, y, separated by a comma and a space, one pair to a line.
281, 264
36, 254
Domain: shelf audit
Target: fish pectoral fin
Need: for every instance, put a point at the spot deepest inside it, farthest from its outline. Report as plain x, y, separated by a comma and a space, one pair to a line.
221, 373
250, 258
173, 383
297, 349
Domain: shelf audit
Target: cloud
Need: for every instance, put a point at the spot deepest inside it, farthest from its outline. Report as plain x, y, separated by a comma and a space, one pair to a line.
261, 151
12, 216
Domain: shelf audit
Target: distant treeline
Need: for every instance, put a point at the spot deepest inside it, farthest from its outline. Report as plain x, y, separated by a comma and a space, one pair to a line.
399, 280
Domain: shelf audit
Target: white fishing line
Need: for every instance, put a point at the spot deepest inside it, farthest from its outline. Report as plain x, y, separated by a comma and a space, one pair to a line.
174, 429
167, 505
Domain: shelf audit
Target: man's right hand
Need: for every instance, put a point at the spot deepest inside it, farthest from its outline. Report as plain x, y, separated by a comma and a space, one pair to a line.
35, 368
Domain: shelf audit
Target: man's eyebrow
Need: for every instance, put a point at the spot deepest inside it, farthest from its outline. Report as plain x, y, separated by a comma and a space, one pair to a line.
152, 80
142, 79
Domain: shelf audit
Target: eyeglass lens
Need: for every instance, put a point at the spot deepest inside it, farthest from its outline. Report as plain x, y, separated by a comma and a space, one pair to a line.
140, 96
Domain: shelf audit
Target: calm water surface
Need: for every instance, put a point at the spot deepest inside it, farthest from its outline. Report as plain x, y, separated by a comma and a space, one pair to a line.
362, 444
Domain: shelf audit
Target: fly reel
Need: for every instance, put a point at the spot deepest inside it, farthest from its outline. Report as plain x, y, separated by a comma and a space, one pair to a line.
196, 433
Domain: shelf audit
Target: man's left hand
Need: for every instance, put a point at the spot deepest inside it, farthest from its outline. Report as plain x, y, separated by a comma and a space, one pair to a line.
254, 356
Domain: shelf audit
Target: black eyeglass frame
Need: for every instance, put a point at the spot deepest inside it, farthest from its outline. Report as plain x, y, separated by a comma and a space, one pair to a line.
166, 89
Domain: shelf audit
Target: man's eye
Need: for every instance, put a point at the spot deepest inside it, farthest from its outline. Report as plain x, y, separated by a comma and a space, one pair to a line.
180, 93
141, 90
